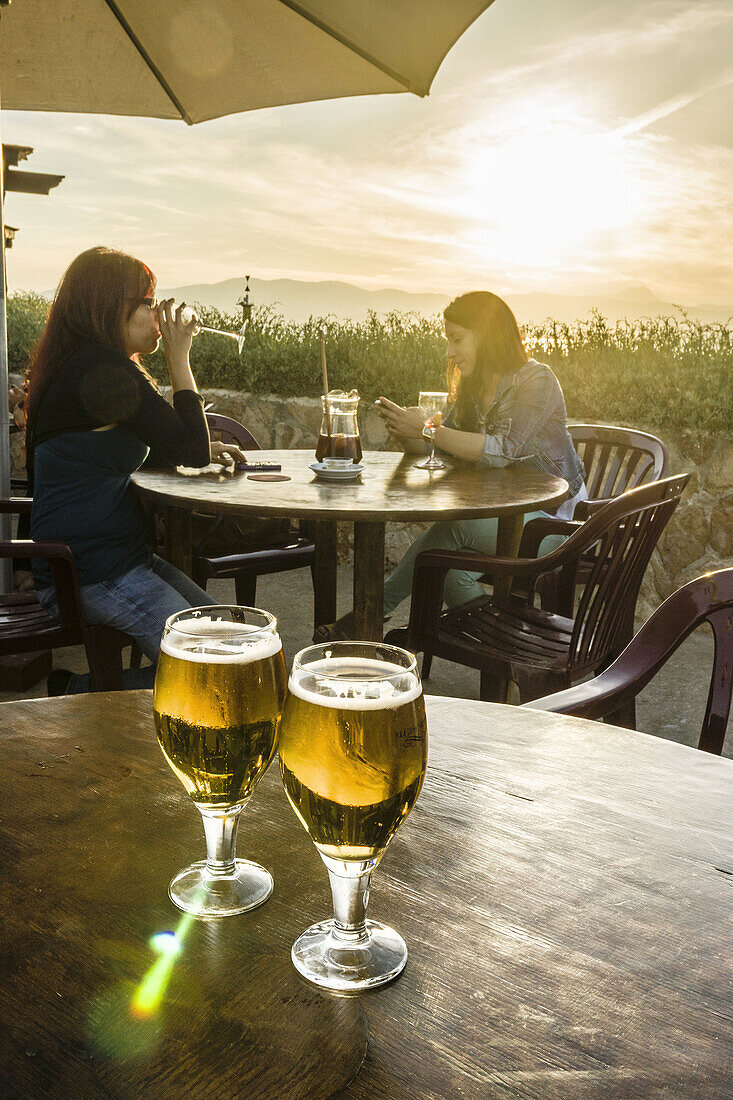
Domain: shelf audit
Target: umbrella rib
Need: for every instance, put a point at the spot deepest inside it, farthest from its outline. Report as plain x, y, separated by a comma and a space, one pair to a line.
149, 61
409, 85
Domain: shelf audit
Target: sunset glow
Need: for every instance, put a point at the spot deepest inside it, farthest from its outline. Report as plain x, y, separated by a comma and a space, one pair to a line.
564, 147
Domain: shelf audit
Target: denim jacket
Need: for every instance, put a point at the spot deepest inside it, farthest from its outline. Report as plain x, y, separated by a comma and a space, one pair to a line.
527, 419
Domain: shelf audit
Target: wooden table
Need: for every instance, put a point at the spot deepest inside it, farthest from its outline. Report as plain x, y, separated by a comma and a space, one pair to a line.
390, 488
564, 889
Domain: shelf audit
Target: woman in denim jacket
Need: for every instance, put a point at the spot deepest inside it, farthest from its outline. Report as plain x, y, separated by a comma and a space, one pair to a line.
506, 408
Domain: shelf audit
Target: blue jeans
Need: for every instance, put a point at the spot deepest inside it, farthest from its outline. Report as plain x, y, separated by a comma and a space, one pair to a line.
461, 534
137, 603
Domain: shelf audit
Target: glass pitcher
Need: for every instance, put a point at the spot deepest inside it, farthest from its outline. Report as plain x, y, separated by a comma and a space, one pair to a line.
338, 440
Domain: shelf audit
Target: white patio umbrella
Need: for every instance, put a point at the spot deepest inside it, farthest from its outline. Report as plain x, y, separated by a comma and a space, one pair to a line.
201, 59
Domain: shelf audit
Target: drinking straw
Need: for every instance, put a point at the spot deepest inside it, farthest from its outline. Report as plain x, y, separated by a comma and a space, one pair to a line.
323, 362
325, 381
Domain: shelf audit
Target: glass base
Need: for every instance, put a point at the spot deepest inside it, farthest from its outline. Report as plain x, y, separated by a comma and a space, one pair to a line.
431, 464
197, 891
347, 965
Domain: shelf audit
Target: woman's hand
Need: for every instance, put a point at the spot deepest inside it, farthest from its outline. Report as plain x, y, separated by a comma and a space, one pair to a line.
401, 423
226, 453
177, 337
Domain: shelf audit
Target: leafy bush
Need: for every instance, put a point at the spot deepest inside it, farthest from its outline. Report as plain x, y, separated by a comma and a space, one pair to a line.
656, 372
26, 318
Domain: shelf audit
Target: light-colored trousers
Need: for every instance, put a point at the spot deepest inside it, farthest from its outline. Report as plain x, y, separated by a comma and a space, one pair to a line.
462, 534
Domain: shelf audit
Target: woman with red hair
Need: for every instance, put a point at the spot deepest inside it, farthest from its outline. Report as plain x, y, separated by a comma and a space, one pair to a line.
94, 416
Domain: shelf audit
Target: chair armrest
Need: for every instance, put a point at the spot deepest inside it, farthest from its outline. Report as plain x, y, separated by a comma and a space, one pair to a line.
27, 548
538, 529
594, 699
584, 509
440, 561
16, 506
63, 574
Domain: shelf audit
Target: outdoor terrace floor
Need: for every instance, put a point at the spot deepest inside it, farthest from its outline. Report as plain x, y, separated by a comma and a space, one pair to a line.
672, 705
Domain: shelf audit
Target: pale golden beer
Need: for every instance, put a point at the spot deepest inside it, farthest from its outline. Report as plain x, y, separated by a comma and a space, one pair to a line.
353, 755
217, 707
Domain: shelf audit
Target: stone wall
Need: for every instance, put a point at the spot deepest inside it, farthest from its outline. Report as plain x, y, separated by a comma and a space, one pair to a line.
698, 538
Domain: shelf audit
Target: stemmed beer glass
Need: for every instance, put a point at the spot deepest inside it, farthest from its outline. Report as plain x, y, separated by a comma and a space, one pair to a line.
432, 404
219, 691
353, 750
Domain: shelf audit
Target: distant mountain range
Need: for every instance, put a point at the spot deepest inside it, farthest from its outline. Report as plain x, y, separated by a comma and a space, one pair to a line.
300, 300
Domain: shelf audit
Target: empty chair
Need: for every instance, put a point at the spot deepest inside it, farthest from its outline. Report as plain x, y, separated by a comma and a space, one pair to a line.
508, 638
707, 599
26, 628
616, 460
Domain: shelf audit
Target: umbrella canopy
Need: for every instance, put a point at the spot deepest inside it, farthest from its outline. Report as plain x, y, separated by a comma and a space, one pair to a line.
201, 59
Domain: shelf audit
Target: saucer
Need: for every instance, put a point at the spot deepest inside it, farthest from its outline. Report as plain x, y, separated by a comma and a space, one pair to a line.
328, 473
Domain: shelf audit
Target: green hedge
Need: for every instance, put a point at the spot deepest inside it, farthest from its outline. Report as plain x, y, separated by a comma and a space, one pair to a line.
656, 372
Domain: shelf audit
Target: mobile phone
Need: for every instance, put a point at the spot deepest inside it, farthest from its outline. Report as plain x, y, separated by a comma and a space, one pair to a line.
259, 467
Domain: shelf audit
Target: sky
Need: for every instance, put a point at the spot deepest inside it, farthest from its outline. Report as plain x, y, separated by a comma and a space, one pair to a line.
567, 146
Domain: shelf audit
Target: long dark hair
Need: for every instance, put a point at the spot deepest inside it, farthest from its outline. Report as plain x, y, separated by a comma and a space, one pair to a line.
98, 293
499, 349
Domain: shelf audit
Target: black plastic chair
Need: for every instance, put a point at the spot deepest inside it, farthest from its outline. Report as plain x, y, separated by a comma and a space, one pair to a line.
509, 638
26, 628
272, 546
616, 460
709, 599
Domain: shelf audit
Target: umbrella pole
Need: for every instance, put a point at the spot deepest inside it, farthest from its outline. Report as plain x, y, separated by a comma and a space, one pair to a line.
6, 572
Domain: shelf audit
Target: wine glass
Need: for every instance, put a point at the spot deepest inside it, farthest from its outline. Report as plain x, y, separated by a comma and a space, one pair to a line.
219, 691
353, 749
188, 314
432, 405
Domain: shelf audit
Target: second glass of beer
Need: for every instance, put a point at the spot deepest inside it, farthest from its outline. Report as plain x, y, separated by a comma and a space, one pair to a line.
219, 691
353, 750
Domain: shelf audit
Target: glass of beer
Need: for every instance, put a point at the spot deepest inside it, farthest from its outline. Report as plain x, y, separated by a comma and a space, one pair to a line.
353, 750
219, 691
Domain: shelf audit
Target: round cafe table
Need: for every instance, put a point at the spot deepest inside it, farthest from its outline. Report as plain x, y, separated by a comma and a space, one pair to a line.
391, 488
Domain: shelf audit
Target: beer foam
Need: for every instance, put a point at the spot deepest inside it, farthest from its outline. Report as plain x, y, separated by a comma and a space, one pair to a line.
371, 690
223, 642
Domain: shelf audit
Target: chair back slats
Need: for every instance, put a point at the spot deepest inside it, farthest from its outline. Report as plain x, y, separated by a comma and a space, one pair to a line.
707, 599
228, 430
617, 459
631, 527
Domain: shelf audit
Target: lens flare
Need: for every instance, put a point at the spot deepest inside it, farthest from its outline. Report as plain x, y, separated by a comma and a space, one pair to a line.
149, 993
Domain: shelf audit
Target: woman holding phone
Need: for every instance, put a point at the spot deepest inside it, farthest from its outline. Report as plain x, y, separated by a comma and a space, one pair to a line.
505, 407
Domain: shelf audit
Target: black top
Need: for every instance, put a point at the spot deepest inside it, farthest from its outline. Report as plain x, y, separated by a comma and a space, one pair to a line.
82, 493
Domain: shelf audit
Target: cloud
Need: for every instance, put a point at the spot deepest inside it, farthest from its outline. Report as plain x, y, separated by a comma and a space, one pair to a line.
534, 163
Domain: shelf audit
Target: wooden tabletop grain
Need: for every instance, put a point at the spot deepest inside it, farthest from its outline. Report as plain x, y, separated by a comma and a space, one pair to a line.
564, 888
391, 487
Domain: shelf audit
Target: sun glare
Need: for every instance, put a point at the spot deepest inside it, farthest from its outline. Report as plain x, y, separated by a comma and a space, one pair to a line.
545, 188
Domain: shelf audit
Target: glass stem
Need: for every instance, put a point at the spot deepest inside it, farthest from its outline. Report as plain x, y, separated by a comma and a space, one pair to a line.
350, 883
220, 826
432, 445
